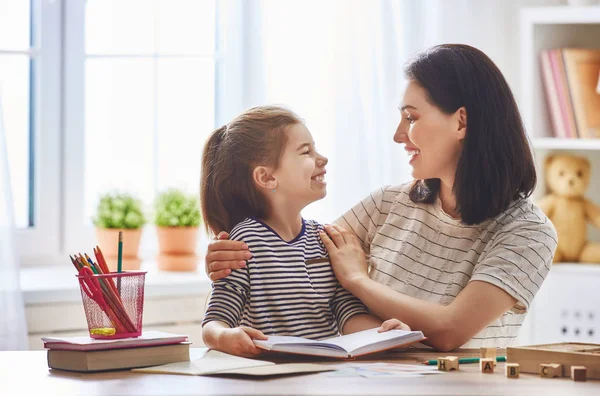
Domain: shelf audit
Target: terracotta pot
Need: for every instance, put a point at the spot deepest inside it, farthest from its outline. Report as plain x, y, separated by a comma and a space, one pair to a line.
108, 241
177, 262
177, 240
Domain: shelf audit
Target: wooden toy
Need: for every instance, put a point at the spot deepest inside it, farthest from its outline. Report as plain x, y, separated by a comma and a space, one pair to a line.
487, 365
567, 353
447, 363
578, 373
550, 370
489, 353
512, 370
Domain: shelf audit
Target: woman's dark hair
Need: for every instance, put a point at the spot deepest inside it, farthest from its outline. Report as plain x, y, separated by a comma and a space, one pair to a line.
228, 194
496, 164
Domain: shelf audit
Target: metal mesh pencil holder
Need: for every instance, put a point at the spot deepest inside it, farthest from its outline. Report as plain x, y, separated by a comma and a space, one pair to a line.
113, 303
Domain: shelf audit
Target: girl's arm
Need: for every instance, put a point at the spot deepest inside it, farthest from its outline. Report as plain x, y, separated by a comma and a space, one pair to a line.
235, 341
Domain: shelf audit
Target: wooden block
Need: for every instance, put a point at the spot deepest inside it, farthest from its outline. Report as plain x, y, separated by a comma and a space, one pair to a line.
512, 370
550, 370
489, 353
566, 353
578, 373
447, 363
486, 365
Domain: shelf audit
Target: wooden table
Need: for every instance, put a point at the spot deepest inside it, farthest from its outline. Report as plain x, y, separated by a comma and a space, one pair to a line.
27, 373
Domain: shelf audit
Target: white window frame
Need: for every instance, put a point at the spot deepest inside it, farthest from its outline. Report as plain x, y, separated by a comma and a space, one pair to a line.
79, 237
60, 123
42, 242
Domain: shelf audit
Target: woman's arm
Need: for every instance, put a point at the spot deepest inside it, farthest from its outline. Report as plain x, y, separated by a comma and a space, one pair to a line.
223, 256
446, 327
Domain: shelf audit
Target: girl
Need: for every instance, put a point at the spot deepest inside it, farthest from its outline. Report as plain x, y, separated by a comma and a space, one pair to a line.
258, 173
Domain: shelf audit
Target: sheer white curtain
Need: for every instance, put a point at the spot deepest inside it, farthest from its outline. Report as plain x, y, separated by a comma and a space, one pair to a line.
339, 64
13, 330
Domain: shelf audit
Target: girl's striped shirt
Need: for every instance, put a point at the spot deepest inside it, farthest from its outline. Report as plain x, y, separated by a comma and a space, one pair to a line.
280, 291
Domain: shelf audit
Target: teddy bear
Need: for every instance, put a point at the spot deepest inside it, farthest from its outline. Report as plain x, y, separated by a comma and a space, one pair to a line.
567, 178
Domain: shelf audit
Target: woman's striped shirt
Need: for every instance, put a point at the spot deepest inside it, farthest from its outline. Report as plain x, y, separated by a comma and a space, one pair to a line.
418, 250
280, 291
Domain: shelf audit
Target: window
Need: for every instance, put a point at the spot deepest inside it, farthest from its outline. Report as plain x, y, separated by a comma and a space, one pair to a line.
144, 79
18, 55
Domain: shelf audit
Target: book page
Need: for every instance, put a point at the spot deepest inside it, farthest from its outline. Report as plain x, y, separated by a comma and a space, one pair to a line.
293, 341
352, 342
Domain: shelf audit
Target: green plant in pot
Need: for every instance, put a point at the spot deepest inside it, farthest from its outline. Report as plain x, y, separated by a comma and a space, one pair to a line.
177, 219
120, 212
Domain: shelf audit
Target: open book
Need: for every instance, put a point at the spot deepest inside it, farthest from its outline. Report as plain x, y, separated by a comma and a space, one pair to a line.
346, 346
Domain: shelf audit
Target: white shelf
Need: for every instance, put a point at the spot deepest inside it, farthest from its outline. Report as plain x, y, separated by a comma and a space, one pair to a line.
576, 269
565, 144
562, 15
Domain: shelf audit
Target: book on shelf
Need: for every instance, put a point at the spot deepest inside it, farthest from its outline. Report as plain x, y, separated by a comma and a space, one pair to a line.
117, 359
86, 343
582, 67
569, 77
347, 346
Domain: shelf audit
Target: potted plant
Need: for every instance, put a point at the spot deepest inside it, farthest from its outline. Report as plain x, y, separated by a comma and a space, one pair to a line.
177, 219
119, 212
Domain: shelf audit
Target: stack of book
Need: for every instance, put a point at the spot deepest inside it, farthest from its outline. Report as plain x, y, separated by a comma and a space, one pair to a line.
85, 354
570, 77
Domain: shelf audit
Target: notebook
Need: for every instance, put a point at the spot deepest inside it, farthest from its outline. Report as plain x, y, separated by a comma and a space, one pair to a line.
219, 363
346, 346
85, 343
117, 359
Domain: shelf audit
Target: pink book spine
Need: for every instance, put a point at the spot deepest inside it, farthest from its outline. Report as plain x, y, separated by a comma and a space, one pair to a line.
553, 104
563, 93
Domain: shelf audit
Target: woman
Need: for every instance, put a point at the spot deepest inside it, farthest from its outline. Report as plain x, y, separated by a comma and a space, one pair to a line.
462, 250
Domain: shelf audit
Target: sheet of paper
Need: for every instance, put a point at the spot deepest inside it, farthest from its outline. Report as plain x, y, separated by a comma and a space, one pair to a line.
210, 363
386, 370
279, 369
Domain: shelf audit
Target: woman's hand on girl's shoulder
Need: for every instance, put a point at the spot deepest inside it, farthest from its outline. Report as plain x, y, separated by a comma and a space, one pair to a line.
346, 254
223, 256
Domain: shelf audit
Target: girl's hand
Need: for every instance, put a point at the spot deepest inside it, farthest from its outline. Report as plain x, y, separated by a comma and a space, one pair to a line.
238, 341
393, 324
346, 254
223, 256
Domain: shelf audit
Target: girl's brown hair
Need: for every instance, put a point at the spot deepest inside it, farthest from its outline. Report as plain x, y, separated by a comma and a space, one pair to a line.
228, 193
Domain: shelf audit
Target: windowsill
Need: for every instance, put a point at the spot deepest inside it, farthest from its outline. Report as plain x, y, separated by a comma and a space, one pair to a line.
42, 285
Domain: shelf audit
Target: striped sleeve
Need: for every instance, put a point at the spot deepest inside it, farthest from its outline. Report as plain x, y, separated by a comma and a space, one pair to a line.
344, 305
228, 298
364, 218
518, 260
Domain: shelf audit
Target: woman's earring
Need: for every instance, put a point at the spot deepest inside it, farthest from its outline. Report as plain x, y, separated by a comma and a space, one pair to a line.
274, 190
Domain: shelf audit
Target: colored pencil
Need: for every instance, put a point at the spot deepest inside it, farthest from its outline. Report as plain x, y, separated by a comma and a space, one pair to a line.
120, 261
434, 362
